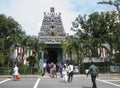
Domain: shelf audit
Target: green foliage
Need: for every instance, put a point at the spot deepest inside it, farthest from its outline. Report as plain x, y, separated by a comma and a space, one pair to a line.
117, 57
94, 31
11, 34
2, 61
115, 3
32, 60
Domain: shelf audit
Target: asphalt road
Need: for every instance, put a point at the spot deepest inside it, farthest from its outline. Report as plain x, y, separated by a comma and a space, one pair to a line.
80, 81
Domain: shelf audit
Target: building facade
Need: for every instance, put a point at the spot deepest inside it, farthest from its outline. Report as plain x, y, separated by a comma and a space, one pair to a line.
52, 33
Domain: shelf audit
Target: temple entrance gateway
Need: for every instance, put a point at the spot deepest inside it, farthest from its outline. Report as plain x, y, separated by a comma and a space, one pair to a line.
52, 33
54, 53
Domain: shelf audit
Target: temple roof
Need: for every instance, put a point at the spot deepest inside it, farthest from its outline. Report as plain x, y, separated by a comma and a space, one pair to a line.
52, 30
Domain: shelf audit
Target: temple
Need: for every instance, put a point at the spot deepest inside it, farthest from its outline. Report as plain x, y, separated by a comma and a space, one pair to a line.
52, 33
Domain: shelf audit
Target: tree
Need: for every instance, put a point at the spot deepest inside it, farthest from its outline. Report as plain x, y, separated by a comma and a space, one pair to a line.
88, 33
32, 60
116, 3
33, 43
10, 35
67, 48
115, 28
94, 31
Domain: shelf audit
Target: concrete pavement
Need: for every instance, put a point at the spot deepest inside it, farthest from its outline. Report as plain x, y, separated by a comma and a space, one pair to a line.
47, 75
79, 81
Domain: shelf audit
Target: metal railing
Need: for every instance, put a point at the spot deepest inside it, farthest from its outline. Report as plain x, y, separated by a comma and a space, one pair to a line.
38, 70
22, 70
110, 69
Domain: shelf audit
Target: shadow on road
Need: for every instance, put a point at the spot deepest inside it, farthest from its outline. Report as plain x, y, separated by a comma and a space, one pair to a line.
86, 87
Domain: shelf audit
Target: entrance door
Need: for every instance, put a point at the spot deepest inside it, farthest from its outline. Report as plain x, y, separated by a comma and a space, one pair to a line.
52, 55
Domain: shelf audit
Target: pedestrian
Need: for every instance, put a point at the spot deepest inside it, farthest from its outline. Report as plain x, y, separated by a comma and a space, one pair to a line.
64, 72
48, 67
94, 71
51, 69
54, 70
15, 72
44, 69
70, 72
61, 68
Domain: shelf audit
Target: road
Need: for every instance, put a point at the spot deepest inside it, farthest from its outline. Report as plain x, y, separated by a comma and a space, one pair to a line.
79, 81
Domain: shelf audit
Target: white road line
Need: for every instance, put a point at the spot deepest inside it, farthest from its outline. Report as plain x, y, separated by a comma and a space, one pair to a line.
109, 82
37, 82
4, 81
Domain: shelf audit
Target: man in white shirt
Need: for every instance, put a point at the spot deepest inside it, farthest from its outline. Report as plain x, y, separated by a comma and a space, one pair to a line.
44, 68
70, 72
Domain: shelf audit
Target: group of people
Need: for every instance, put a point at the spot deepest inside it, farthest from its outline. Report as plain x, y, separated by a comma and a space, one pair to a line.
50, 68
66, 71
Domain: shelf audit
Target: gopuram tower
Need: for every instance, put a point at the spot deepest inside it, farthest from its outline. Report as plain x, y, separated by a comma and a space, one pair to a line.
52, 33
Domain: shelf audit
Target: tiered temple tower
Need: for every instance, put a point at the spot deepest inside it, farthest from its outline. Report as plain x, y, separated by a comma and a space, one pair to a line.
52, 33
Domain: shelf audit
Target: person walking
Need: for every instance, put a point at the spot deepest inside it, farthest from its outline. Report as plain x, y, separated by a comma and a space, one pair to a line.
44, 69
94, 71
15, 72
51, 69
64, 72
70, 72
54, 73
61, 69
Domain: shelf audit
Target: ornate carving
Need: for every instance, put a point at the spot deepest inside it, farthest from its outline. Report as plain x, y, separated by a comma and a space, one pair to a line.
52, 28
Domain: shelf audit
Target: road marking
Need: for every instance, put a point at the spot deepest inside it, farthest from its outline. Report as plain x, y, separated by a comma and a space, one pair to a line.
113, 80
37, 82
4, 81
109, 82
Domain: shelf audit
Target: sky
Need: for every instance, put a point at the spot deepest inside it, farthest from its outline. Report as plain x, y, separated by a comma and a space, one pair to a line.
29, 13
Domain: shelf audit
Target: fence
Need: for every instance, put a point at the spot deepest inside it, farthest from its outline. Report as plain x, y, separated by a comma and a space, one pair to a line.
32, 70
110, 69
22, 70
